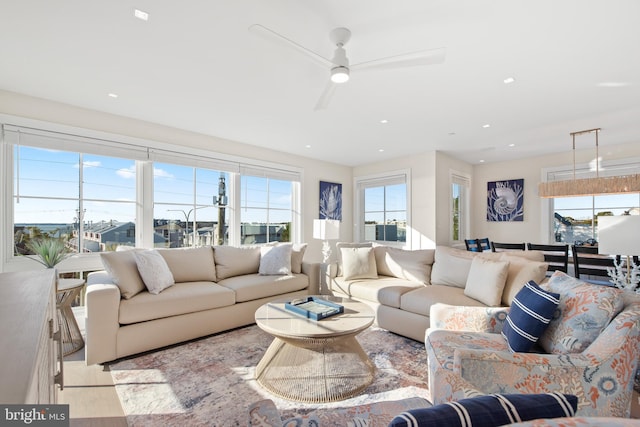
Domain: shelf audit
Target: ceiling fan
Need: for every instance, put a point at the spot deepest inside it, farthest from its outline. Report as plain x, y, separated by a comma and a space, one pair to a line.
339, 67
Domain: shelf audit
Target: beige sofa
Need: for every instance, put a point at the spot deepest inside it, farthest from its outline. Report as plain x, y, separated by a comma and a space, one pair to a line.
402, 285
216, 289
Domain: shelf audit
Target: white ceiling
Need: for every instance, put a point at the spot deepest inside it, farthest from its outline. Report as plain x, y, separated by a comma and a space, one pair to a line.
194, 65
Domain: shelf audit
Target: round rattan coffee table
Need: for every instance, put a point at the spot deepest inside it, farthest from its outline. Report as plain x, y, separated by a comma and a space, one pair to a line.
315, 361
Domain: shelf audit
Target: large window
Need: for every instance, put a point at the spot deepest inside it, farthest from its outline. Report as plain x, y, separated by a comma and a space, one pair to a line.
87, 201
98, 194
574, 220
189, 206
382, 206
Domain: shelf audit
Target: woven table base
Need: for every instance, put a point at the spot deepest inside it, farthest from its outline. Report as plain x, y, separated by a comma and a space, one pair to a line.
315, 370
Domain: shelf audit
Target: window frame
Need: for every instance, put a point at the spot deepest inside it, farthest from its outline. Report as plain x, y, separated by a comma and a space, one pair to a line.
464, 206
146, 153
361, 183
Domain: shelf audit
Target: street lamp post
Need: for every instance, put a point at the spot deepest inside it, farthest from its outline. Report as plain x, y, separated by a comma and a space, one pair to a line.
186, 224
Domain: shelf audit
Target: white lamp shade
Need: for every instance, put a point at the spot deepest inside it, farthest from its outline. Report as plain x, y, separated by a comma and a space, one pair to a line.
326, 229
619, 235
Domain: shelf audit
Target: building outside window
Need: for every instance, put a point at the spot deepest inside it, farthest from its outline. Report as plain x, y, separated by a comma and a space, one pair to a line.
266, 210
459, 224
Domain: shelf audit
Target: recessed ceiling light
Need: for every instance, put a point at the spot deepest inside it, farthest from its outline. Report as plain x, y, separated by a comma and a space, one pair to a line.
481, 161
384, 121
113, 95
613, 84
380, 150
512, 145
509, 80
307, 146
486, 126
141, 14
451, 133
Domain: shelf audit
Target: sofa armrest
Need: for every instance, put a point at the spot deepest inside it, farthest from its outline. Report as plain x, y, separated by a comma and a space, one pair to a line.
312, 270
466, 318
101, 321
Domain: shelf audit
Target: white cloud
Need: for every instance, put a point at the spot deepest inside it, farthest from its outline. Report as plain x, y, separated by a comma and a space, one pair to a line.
92, 164
161, 173
127, 173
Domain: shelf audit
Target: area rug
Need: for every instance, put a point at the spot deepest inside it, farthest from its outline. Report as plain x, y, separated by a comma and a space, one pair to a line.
210, 382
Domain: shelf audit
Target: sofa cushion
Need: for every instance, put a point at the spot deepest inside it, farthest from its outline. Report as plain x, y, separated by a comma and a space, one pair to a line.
584, 312
451, 267
190, 264
529, 316
486, 280
275, 260
297, 255
358, 263
521, 270
181, 298
413, 265
420, 300
490, 410
254, 286
154, 271
341, 245
236, 261
383, 290
123, 270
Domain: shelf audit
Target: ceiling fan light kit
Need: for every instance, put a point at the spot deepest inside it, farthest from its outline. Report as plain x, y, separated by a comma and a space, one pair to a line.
589, 186
339, 74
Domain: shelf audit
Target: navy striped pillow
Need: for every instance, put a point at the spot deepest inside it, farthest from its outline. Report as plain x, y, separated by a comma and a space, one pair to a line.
529, 316
490, 411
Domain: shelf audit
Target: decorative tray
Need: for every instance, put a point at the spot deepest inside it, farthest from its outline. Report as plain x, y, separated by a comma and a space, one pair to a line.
314, 308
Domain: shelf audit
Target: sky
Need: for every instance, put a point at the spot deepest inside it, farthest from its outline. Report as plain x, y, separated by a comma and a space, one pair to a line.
109, 190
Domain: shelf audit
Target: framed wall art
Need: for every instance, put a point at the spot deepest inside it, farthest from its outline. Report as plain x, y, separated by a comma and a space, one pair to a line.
330, 200
505, 200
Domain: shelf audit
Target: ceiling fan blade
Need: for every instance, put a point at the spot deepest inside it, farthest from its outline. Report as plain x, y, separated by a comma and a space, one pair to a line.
412, 59
326, 96
269, 34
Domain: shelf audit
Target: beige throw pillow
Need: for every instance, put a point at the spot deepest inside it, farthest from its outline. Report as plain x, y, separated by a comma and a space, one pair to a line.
341, 245
358, 263
297, 255
122, 268
521, 270
451, 267
486, 281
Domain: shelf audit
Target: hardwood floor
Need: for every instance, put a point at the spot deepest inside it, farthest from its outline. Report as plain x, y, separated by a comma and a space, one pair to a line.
93, 401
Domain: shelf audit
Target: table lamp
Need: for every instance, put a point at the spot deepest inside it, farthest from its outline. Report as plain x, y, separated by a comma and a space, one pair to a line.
620, 235
326, 229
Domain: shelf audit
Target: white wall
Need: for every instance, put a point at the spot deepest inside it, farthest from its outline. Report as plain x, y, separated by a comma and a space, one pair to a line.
313, 171
532, 229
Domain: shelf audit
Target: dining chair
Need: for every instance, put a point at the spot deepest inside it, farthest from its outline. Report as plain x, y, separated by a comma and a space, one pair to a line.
499, 247
588, 263
484, 244
556, 255
472, 245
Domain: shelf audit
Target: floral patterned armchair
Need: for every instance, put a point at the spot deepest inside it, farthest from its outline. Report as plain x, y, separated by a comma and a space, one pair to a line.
468, 355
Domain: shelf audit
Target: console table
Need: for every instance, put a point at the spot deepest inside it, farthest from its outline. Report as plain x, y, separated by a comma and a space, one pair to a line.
29, 337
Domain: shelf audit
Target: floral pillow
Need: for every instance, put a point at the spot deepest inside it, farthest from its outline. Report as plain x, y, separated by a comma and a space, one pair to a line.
584, 312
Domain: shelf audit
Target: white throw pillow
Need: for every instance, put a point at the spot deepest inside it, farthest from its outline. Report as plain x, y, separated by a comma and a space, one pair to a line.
486, 281
358, 263
341, 245
275, 260
154, 271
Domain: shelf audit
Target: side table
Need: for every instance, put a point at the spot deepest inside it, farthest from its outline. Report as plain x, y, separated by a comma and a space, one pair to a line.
66, 292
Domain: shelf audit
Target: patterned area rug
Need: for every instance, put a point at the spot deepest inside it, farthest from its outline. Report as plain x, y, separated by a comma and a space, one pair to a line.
210, 382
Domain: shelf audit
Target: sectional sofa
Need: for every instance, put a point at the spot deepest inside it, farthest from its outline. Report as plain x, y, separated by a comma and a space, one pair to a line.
147, 299
402, 285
